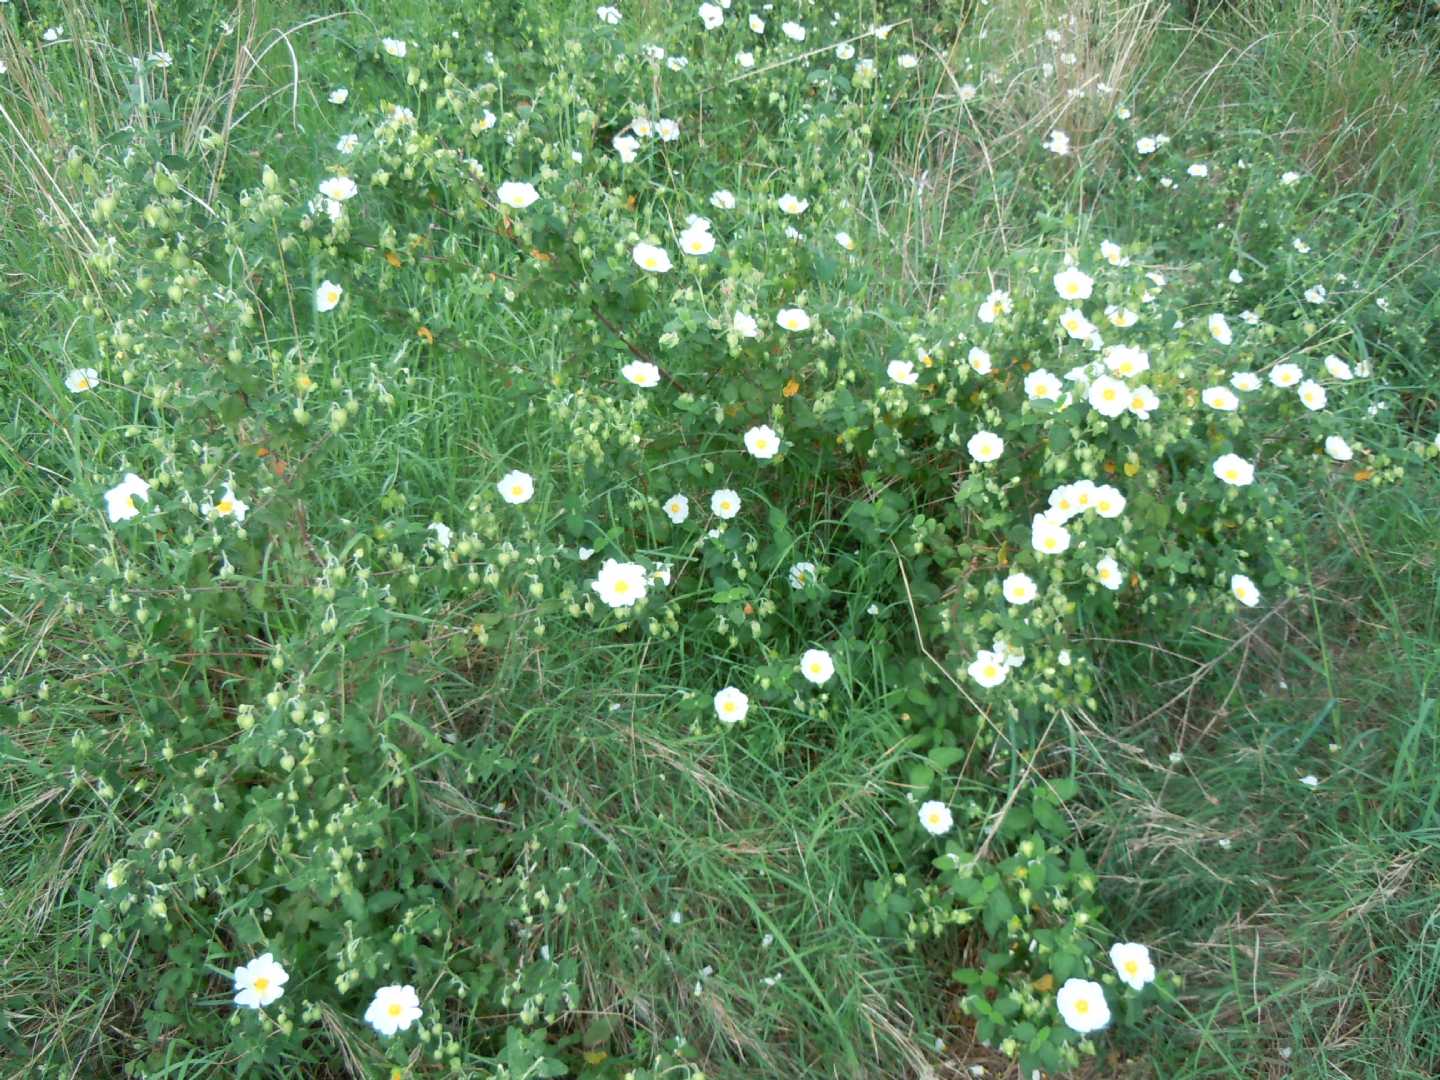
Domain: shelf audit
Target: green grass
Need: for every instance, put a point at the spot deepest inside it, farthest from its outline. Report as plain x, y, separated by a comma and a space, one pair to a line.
1313, 928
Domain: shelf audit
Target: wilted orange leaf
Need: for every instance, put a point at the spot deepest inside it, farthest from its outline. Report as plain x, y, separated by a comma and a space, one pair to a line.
1131, 468
536, 253
393, 259
1045, 983
791, 388
1364, 474
425, 335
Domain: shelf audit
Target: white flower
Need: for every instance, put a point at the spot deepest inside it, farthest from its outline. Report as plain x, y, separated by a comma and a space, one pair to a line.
711, 16
1283, 375
1300, 245
1107, 501
668, 130
608, 14
802, 574
226, 506
723, 200
516, 487
1312, 395
677, 508
81, 379
649, 257
1082, 1005
260, 982
1132, 964
120, 500
1244, 590
1107, 572
1108, 396
487, 120
985, 446
516, 195
394, 1009
677, 63
762, 442
395, 47
793, 30
1145, 144
443, 533
725, 503
1316, 294
697, 240
793, 205
979, 360
1112, 253
908, 61
731, 705
794, 319
1338, 368
1074, 284
757, 24
1127, 361
1289, 178
339, 96
1074, 323
1245, 381
844, 51
902, 372
1048, 537
1040, 385
745, 59
1058, 143
745, 325
1338, 448
1310, 781
626, 146
1219, 328
621, 584
1221, 398
987, 669
845, 240
1019, 589
1198, 170
816, 666
1143, 401
1236, 278
935, 818
1234, 470
327, 295
642, 373
53, 33
347, 143
339, 188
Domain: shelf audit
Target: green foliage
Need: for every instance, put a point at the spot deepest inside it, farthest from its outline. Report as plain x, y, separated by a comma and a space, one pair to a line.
316, 635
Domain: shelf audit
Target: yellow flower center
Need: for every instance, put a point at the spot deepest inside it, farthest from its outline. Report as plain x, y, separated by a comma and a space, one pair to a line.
1232, 474
725, 507
517, 490
82, 383
1082, 1006
761, 444
129, 502
815, 669
991, 671
1106, 574
1109, 393
1049, 541
729, 706
649, 262
1131, 967
1103, 506
622, 586
225, 506
262, 984
394, 1009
